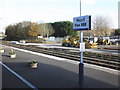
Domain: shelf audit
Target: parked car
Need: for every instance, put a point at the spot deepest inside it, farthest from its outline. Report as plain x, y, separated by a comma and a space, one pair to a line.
14, 42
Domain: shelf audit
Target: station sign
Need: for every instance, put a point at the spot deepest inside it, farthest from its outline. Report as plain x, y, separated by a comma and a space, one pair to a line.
82, 23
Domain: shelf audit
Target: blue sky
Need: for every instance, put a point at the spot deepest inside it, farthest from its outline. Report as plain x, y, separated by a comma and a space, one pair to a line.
14, 11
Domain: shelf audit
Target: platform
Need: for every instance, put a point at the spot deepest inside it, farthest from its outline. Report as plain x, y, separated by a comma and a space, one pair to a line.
54, 72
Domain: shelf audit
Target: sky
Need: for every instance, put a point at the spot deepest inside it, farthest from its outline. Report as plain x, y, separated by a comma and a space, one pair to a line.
14, 11
119, 14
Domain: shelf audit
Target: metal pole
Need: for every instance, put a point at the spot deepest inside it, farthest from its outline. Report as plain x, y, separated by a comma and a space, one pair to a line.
80, 7
81, 65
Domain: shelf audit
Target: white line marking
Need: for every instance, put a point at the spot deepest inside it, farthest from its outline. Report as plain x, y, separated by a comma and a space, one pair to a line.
21, 78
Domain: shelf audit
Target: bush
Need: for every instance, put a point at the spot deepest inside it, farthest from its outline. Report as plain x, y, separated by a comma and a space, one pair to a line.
32, 62
11, 52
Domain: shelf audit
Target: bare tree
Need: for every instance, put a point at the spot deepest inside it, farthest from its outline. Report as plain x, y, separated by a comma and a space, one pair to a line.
101, 26
49, 30
46, 29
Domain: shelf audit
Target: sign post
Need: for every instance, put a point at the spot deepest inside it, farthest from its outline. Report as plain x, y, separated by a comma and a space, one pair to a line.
79, 24
81, 64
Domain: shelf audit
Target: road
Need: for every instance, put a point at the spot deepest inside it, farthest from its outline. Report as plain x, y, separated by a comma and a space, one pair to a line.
53, 72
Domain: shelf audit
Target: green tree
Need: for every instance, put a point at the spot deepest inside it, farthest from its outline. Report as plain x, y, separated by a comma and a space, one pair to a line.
29, 30
10, 32
18, 31
63, 28
116, 32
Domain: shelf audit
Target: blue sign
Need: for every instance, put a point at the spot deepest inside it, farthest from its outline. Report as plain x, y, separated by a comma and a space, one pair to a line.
82, 23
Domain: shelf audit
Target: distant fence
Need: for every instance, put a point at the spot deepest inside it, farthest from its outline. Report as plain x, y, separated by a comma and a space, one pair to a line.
59, 40
55, 39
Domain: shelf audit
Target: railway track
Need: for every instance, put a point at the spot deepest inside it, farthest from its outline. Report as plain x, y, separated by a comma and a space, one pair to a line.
109, 61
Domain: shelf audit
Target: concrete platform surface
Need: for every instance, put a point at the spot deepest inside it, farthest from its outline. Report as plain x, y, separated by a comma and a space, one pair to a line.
53, 72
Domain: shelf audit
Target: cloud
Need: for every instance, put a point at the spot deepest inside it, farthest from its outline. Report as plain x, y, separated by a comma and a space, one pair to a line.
119, 14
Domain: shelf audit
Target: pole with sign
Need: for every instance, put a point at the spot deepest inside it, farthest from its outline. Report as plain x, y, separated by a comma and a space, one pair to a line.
79, 24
